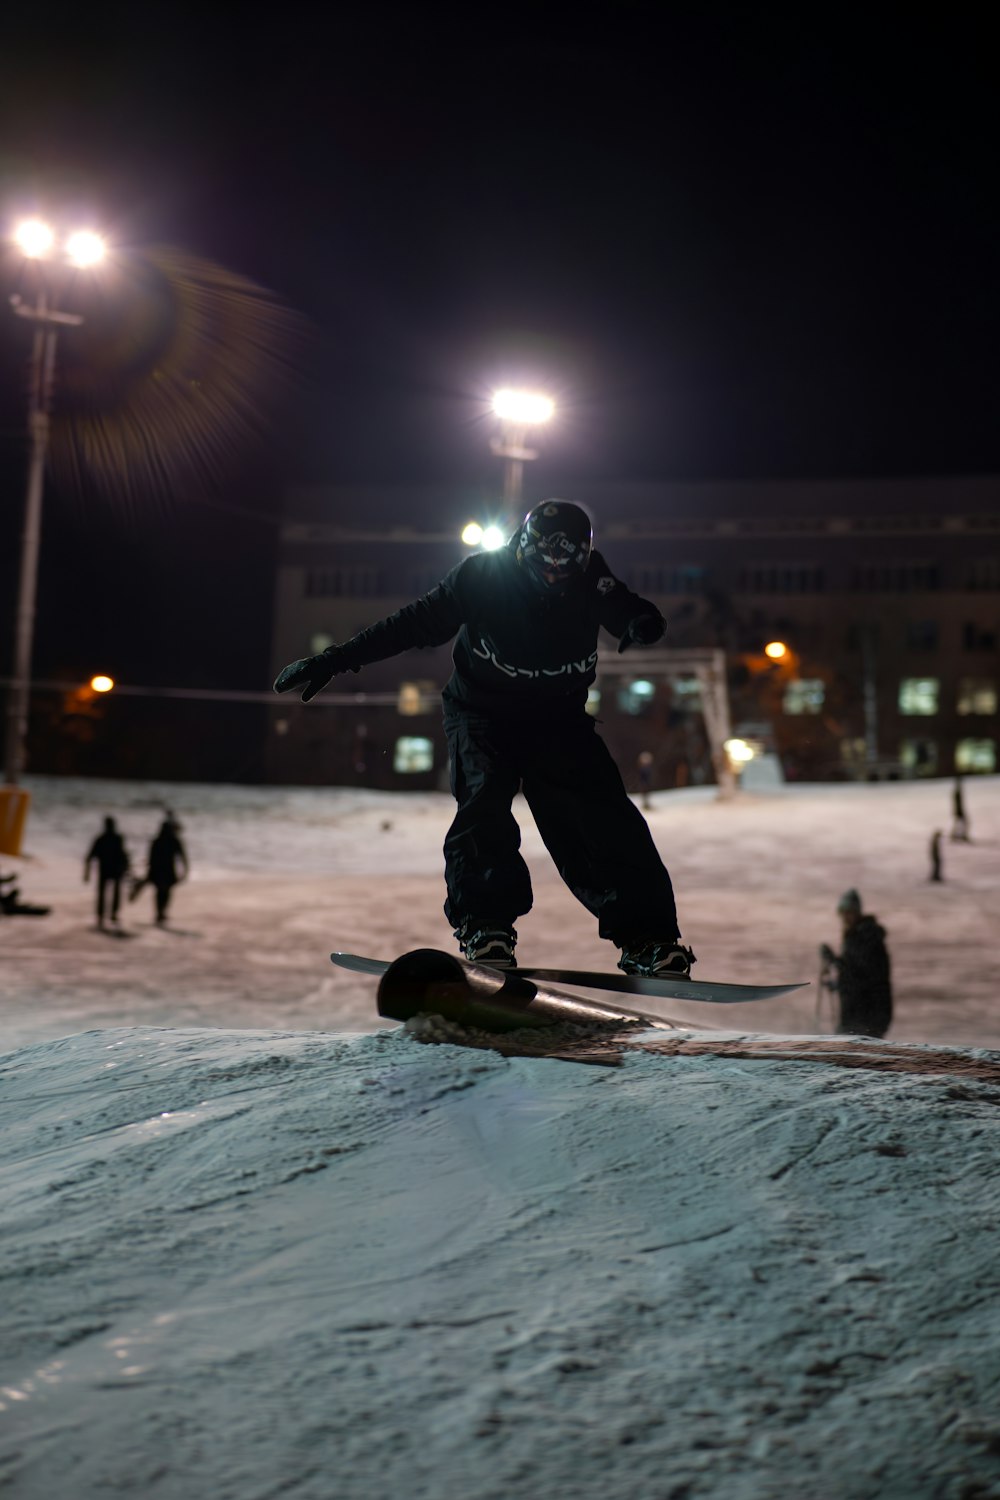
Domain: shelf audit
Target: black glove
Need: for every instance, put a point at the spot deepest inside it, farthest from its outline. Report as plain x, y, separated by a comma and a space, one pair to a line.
313, 672
643, 630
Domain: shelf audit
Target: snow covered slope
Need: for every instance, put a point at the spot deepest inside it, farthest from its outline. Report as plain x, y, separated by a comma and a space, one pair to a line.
253, 1243
251, 1264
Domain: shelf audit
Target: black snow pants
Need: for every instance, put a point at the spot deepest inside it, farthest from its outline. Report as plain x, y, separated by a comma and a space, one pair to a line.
106, 883
597, 837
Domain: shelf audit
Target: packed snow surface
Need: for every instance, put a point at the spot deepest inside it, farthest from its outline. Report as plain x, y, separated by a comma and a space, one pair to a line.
256, 1242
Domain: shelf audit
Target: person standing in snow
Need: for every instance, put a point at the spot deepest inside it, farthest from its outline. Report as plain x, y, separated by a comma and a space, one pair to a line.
960, 823
526, 621
109, 854
860, 974
644, 764
167, 866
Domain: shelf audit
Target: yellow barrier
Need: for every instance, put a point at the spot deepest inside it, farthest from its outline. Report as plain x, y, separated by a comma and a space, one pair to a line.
14, 803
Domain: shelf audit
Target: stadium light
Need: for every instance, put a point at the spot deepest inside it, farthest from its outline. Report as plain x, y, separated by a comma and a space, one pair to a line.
85, 248
739, 751
517, 410
490, 538
523, 408
34, 238
36, 241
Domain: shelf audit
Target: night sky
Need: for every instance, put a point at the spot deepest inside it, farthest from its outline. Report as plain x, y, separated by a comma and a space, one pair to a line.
734, 244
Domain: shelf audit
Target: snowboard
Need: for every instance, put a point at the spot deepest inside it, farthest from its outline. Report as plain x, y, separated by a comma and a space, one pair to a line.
598, 979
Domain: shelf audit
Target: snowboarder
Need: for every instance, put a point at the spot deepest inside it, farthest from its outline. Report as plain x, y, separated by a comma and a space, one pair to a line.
167, 866
526, 619
109, 854
936, 855
860, 974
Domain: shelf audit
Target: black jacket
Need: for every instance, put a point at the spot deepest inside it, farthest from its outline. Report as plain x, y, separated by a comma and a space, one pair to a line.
165, 852
864, 980
517, 648
108, 849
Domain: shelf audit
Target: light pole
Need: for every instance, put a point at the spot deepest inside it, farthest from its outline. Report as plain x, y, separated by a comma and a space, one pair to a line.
869, 660
517, 411
37, 243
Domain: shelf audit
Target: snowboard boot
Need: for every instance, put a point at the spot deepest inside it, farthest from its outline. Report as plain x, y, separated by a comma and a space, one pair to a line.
486, 941
670, 960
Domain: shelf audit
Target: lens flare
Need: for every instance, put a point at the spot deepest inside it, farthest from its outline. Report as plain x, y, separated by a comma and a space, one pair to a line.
179, 372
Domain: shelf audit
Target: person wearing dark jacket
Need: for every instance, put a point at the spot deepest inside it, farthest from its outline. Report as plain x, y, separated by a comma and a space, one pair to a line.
109, 854
525, 620
167, 866
860, 974
960, 822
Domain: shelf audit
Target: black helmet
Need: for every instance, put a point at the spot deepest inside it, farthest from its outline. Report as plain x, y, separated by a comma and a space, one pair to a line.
553, 545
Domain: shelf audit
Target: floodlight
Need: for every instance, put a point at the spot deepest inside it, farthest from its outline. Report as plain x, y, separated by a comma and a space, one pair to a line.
527, 407
776, 650
472, 534
85, 248
102, 684
33, 238
739, 750
493, 539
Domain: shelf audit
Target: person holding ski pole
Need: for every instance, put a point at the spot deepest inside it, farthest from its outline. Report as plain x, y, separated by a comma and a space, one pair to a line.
525, 620
860, 974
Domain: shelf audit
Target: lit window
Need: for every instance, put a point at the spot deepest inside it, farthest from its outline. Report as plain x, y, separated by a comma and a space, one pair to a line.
977, 695
919, 695
416, 698
976, 755
636, 697
686, 693
853, 752
804, 695
413, 753
919, 757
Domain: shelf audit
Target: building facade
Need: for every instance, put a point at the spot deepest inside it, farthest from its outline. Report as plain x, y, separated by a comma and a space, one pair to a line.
885, 594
